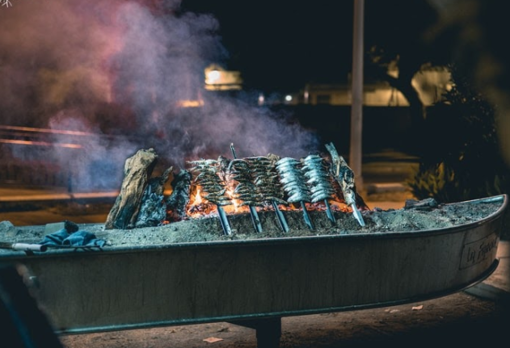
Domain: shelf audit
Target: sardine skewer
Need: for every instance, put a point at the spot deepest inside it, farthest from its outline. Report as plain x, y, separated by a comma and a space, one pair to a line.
281, 218
319, 181
212, 184
266, 181
306, 216
253, 211
345, 177
233, 150
255, 218
294, 184
224, 220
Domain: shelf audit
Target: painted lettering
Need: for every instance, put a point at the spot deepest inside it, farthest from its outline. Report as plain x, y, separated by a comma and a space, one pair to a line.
477, 251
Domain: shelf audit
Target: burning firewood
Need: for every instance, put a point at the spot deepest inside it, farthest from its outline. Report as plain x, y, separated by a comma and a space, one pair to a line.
153, 208
180, 196
137, 170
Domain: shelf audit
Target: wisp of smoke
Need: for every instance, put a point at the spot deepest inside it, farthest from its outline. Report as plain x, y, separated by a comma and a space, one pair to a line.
123, 67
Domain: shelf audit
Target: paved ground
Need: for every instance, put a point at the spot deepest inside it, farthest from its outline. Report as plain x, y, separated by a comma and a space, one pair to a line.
459, 320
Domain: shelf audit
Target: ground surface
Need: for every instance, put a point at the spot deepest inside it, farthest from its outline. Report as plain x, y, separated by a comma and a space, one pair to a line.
459, 320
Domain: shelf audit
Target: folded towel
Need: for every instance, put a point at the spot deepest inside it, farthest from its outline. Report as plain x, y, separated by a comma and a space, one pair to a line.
74, 239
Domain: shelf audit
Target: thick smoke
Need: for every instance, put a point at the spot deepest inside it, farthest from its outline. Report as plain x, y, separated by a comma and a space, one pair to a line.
123, 67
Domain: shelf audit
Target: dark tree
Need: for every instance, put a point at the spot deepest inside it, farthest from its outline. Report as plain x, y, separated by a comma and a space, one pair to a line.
398, 34
477, 32
470, 126
461, 158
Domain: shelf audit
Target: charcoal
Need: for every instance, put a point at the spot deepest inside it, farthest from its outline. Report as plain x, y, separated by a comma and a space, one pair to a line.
179, 198
152, 210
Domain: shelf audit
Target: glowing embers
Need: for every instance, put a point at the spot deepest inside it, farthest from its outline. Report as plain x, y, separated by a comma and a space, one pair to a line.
201, 207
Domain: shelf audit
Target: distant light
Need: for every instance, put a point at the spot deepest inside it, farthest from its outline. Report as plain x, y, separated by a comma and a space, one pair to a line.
288, 98
190, 103
213, 75
261, 99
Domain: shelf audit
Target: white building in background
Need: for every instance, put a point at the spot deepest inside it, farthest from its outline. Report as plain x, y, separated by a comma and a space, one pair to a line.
219, 79
430, 84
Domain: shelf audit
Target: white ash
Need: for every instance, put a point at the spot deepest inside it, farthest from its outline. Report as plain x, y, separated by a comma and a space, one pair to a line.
418, 216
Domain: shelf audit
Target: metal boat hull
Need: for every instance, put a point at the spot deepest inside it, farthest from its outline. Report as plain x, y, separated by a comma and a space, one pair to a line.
239, 280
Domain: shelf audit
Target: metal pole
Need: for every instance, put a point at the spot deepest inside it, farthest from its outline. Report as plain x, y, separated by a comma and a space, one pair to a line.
355, 153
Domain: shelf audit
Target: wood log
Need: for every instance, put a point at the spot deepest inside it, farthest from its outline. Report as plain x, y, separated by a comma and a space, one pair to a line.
137, 171
157, 183
153, 208
180, 196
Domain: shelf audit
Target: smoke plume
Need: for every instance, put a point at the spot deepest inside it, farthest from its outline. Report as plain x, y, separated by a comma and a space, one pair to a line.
123, 68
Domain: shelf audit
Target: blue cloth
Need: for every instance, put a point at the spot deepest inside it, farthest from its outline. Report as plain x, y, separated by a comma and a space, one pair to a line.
75, 239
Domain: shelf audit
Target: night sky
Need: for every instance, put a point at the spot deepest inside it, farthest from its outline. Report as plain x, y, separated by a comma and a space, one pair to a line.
281, 45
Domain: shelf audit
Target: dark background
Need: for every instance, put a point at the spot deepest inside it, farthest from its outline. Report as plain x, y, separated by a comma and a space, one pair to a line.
281, 45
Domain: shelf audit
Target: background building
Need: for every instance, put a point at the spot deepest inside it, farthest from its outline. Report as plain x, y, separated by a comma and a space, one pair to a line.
430, 84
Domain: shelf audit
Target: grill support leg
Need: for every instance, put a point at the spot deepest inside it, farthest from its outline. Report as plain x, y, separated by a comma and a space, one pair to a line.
268, 331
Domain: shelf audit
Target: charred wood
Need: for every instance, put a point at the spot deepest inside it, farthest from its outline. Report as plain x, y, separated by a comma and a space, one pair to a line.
180, 196
137, 170
157, 183
153, 208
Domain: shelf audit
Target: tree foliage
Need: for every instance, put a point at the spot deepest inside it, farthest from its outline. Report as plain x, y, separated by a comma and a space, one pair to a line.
400, 34
461, 157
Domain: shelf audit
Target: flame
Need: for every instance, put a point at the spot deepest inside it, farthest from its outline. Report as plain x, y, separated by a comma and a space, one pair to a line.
199, 206
198, 198
236, 207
